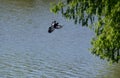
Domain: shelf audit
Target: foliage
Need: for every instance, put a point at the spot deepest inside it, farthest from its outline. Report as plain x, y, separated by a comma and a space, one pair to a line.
106, 42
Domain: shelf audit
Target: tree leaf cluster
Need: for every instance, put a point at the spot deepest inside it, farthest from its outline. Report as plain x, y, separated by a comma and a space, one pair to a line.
104, 15
106, 44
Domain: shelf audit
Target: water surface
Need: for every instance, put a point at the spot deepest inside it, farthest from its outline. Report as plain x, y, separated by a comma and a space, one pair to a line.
27, 50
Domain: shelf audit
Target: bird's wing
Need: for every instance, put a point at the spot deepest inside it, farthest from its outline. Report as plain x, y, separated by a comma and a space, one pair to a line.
58, 27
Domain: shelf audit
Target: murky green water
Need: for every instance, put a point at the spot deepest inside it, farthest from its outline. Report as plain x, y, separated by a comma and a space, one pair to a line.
27, 50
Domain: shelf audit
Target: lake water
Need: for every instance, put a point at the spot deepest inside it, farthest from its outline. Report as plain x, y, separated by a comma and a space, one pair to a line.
27, 50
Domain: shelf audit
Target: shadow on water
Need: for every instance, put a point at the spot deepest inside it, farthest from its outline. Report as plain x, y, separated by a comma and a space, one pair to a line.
112, 71
25, 3
19, 3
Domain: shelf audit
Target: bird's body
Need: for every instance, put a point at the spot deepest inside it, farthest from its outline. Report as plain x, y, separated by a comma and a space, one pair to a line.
51, 29
54, 26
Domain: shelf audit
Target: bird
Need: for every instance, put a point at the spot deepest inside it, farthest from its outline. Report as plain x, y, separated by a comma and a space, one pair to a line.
54, 25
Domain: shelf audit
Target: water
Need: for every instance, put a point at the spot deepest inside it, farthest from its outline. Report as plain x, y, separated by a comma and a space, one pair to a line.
27, 50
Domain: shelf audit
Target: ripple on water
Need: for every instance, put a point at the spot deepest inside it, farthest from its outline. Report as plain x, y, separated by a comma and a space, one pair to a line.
27, 65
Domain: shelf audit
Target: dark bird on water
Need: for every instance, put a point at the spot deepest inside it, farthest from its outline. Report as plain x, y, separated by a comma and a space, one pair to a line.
54, 25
